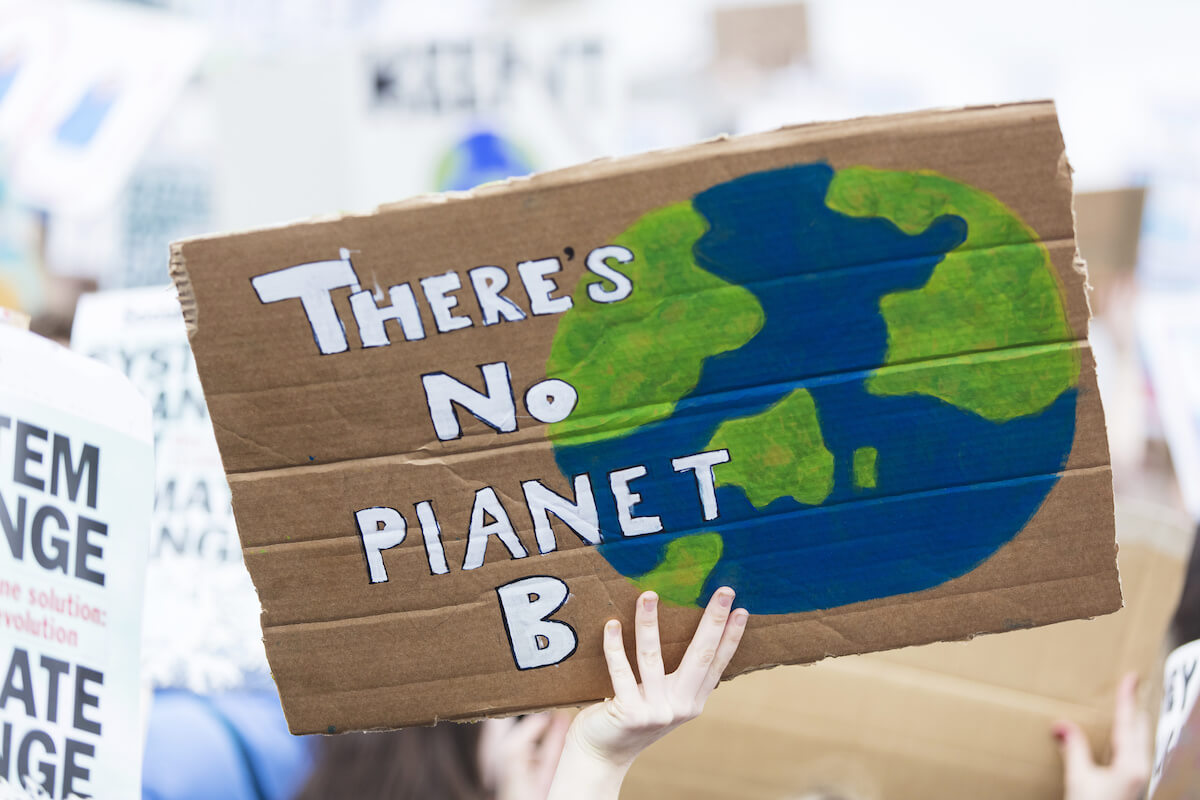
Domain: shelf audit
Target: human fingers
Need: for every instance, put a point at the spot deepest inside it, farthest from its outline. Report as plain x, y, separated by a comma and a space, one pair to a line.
649, 647
1075, 749
730, 639
1130, 733
625, 688
702, 651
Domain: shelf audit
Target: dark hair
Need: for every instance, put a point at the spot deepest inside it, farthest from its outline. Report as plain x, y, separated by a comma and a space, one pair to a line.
1185, 627
441, 762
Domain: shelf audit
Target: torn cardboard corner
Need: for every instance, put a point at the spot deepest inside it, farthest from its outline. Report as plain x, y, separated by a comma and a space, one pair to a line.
842, 368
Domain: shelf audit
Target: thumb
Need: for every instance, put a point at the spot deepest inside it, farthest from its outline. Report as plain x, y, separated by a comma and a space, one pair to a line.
1074, 747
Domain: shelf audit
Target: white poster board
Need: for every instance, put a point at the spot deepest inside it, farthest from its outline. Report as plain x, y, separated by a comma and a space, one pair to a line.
409, 110
85, 86
76, 472
201, 623
1181, 686
1169, 335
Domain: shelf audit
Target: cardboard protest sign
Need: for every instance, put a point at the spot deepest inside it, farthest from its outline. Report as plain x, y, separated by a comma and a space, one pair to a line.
842, 368
199, 626
76, 483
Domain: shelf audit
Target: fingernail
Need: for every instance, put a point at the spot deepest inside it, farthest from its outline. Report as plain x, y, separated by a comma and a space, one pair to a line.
649, 601
1059, 733
740, 616
725, 596
612, 629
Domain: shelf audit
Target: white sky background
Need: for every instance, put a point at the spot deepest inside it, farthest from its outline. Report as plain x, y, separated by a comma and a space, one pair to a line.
1126, 77
1118, 70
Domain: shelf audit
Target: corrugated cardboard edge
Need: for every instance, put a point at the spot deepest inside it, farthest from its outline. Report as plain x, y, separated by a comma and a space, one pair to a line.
610, 166
1079, 264
177, 268
503, 713
1067, 172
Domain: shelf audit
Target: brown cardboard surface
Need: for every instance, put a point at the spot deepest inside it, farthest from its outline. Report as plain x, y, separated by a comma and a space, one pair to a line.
941, 721
311, 438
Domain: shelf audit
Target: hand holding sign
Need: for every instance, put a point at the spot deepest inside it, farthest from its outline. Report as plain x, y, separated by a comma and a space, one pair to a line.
605, 738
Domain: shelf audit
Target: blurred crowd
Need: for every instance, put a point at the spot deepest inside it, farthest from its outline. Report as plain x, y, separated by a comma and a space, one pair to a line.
127, 125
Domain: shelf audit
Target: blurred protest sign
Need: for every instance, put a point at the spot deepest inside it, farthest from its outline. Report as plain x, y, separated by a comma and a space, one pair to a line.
1169, 257
199, 621
414, 110
83, 87
1178, 726
534, 88
22, 284
1180, 774
842, 368
1169, 335
76, 472
140, 333
167, 195
766, 36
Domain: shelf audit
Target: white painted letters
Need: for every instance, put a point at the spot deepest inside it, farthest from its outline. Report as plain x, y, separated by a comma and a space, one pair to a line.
380, 528
536, 640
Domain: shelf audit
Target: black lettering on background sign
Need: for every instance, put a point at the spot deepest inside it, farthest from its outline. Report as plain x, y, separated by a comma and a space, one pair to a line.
26, 452
472, 76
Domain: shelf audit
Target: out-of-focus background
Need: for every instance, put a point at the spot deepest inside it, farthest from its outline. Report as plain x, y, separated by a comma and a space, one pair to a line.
126, 125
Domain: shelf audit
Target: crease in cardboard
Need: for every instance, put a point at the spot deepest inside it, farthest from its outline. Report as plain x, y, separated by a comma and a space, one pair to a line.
915, 675
822, 617
613, 538
222, 429
445, 456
